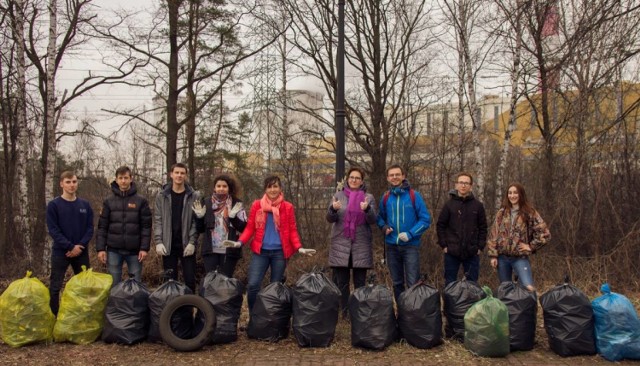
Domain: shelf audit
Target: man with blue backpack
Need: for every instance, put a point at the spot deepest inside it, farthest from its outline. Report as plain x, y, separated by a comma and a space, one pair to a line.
403, 217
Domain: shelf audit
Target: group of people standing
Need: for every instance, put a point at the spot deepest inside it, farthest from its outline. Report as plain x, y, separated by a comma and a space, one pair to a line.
127, 224
402, 215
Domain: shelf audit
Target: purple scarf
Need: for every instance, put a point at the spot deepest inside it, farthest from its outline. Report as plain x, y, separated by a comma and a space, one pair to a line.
353, 216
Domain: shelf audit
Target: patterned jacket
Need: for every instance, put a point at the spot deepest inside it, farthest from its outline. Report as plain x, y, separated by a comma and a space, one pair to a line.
504, 238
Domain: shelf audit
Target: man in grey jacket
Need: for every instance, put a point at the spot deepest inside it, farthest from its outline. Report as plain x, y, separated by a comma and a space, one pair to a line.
174, 226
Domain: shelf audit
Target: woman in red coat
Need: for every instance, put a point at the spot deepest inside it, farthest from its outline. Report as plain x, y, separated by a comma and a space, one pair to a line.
272, 225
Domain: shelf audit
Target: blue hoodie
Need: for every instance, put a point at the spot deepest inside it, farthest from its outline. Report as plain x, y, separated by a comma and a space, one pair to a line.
400, 214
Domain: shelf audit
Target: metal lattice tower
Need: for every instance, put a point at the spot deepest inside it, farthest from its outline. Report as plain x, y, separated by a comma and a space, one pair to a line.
264, 101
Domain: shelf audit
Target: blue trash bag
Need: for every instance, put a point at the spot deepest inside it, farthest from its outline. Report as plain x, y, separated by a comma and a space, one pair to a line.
617, 326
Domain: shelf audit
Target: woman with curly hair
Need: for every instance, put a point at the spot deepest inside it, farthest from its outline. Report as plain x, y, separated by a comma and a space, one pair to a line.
221, 217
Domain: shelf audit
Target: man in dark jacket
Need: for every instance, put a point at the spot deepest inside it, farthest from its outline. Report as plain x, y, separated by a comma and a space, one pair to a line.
124, 228
462, 231
174, 227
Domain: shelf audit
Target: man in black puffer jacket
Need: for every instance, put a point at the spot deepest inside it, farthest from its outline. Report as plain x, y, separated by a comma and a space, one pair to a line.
462, 231
124, 228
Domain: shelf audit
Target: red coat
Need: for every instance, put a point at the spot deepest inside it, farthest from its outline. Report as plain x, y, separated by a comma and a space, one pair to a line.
288, 230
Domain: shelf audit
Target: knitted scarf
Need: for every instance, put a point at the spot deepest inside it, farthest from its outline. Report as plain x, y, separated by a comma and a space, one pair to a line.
266, 205
353, 216
220, 204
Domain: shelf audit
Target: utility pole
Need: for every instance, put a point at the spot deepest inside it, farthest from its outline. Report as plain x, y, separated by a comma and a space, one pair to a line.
340, 112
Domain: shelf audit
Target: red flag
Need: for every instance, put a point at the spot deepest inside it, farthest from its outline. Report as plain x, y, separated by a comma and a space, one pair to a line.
551, 20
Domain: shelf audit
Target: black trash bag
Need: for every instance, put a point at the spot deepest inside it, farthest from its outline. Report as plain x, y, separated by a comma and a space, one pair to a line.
271, 316
182, 320
523, 309
316, 306
568, 320
126, 317
458, 297
225, 294
419, 316
373, 321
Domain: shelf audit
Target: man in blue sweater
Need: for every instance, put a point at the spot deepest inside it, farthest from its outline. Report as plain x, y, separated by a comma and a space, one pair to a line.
70, 224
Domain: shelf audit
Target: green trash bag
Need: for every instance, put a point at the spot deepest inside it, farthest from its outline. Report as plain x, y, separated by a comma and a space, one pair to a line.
81, 314
25, 315
486, 327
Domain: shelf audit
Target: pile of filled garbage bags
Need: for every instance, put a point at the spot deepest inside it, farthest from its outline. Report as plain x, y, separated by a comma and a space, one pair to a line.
488, 326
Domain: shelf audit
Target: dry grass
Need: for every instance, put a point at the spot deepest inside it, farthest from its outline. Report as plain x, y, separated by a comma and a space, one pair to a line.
549, 271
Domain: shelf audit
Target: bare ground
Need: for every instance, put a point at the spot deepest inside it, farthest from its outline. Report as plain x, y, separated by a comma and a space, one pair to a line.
285, 352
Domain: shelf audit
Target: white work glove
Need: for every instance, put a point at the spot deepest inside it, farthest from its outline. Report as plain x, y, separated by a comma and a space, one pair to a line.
160, 249
235, 209
307, 252
231, 244
199, 209
403, 236
189, 250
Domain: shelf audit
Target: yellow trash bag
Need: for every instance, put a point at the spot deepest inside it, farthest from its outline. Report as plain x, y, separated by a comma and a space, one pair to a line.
81, 314
25, 315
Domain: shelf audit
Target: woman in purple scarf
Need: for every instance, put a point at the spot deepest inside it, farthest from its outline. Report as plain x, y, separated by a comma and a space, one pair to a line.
352, 212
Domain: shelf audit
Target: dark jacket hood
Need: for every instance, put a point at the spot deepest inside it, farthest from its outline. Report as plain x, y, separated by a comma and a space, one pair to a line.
455, 196
116, 189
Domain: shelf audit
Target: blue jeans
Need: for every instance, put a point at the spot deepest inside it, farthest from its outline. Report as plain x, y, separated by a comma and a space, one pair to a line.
522, 267
59, 267
258, 268
114, 265
403, 262
452, 264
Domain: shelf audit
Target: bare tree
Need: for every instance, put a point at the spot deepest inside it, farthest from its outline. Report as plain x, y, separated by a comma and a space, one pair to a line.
463, 15
203, 52
387, 44
22, 217
511, 32
46, 65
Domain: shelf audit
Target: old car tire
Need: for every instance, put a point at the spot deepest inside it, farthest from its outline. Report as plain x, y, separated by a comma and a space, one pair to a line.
195, 343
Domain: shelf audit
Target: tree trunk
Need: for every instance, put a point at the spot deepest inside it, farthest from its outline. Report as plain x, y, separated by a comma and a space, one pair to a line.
49, 148
8, 145
461, 108
191, 93
172, 98
476, 125
515, 76
22, 217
